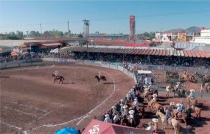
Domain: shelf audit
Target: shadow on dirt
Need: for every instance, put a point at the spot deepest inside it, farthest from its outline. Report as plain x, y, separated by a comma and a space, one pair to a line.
109, 83
4, 77
68, 83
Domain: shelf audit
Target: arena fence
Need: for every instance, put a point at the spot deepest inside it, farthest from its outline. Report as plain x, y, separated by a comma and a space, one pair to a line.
54, 61
116, 66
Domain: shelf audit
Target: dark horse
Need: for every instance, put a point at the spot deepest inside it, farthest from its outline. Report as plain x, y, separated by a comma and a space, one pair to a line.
60, 78
102, 78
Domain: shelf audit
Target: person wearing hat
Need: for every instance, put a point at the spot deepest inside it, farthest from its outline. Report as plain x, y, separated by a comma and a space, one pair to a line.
133, 94
135, 103
172, 106
178, 86
154, 99
99, 75
56, 74
131, 114
182, 105
128, 96
155, 124
179, 110
107, 118
168, 115
116, 118
125, 110
150, 126
113, 110
192, 93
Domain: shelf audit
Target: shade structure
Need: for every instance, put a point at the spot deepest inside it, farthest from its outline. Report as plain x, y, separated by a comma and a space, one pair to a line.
99, 127
32, 52
64, 48
67, 130
14, 53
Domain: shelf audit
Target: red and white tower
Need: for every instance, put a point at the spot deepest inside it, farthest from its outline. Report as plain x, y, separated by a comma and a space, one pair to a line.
132, 28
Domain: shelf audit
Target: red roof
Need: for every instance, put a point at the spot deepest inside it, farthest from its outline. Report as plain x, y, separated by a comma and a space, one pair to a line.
100, 127
136, 45
158, 52
52, 44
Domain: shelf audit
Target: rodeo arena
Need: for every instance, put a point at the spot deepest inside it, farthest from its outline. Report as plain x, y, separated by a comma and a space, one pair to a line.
104, 87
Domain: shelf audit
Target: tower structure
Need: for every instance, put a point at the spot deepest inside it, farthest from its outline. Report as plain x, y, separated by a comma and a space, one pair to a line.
86, 28
132, 28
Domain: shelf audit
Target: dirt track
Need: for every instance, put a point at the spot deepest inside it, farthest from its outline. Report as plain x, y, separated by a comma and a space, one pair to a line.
31, 102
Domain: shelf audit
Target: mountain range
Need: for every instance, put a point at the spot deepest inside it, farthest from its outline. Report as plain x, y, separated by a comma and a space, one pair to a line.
192, 29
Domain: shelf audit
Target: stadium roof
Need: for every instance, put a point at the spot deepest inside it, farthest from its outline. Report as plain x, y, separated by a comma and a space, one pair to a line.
144, 51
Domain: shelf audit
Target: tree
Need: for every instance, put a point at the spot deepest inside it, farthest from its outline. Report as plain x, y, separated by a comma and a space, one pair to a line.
152, 35
19, 34
80, 36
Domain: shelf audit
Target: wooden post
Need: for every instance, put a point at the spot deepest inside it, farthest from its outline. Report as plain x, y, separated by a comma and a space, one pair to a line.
201, 91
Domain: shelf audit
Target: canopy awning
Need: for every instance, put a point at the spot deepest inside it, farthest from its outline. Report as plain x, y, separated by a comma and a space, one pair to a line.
51, 44
144, 72
100, 127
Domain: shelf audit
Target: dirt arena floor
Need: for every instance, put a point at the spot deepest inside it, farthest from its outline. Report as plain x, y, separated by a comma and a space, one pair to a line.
31, 103
195, 126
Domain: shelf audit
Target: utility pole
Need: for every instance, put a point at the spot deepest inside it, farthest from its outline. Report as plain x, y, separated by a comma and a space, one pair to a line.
68, 28
40, 29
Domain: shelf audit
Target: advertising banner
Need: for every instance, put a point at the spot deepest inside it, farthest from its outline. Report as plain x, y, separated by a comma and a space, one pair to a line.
181, 36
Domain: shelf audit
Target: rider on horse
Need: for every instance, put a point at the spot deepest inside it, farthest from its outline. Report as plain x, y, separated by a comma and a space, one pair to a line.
56, 74
192, 93
99, 75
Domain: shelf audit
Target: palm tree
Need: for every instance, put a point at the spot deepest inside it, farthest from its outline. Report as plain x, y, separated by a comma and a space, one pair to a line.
87, 24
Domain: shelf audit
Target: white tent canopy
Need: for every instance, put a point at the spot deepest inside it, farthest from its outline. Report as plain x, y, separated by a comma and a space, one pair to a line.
144, 72
55, 50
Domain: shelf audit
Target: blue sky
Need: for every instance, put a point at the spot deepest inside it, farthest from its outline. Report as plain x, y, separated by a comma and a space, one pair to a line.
104, 16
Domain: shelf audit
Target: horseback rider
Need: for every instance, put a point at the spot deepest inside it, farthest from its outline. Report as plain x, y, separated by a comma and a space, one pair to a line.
192, 93
178, 85
168, 114
56, 74
99, 75
179, 110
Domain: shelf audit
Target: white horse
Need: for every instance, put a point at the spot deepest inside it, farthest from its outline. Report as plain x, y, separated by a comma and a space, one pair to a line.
163, 118
168, 90
175, 124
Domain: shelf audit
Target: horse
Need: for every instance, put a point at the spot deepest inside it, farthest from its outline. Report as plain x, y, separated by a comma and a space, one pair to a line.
196, 110
60, 78
206, 86
162, 117
180, 92
192, 101
188, 77
182, 116
140, 110
155, 105
101, 78
175, 124
134, 122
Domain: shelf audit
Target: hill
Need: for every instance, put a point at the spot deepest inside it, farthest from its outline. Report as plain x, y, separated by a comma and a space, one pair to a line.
192, 29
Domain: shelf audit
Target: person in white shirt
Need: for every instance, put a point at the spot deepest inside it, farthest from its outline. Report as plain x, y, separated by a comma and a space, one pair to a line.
107, 119
133, 95
192, 93
56, 73
128, 96
178, 86
99, 75
135, 103
150, 126
116, 118
179, 110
